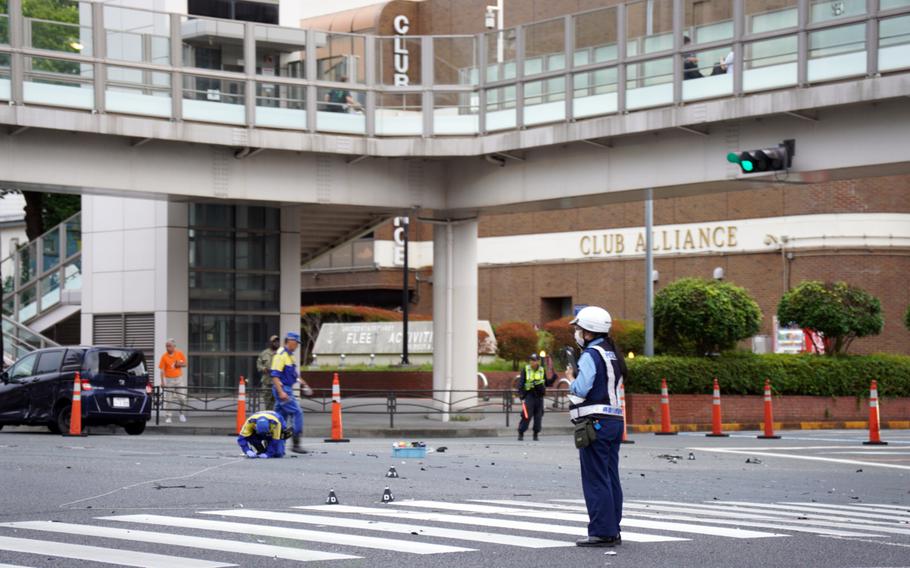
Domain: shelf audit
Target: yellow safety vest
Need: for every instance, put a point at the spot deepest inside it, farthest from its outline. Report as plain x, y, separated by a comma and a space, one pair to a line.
534, 378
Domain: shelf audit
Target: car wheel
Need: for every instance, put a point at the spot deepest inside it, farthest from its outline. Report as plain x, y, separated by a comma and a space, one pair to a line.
134, 428
53, 427
63, 419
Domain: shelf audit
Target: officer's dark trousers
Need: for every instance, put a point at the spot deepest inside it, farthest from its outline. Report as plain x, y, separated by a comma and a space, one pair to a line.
600, 480
534, 404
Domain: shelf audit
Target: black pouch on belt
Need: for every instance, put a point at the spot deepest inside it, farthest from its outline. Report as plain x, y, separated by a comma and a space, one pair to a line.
585, 434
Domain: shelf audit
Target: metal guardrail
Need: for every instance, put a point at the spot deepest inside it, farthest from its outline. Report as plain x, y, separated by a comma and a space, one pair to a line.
572, 67
373, 401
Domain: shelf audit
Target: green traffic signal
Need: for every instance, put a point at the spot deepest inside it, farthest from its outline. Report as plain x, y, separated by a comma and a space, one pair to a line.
746, 165
733, 158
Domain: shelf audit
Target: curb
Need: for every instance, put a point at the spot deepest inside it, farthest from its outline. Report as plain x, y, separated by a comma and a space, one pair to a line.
745, 426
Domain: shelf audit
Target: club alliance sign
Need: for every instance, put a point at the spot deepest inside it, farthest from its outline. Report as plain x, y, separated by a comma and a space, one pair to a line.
682, 240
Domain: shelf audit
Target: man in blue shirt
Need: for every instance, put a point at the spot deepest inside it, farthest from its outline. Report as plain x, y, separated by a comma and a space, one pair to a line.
594, 397
284, 376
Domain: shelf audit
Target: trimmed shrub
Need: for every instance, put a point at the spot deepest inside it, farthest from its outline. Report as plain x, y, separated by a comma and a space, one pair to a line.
516, 341
699, 317
839, 311
789, 374
629, 336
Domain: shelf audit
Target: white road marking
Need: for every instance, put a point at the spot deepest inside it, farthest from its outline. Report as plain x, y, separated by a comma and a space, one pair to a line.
873, 541
103, 555
12, 566
295, 534
856, 509
689, 516
418, 530
482, 522
865, 518
557, 516
884, 506
204, 543
873, 452
761, 452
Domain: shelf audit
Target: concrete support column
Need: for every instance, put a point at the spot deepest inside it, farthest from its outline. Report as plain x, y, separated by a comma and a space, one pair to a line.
172, 297
455, 312
290, 271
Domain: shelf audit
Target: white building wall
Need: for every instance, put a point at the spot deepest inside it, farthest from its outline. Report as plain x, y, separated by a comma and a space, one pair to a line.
290, 12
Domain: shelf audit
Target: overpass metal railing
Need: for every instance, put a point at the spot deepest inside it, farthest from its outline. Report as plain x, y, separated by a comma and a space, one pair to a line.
457, 404
38, 275
613, 60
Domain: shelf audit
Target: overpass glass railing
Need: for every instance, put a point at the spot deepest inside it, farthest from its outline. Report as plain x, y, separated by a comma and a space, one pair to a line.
628, 57
37, 276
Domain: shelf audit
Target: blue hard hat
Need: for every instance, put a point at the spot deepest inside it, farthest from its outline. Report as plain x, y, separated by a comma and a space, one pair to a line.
294, 336
263, 426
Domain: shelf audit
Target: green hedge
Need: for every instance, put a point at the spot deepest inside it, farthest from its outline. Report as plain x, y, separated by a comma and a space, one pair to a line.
789, 374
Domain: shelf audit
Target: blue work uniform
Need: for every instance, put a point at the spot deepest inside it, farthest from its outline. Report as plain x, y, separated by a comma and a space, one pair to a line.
598, 383
271, 444
285, 368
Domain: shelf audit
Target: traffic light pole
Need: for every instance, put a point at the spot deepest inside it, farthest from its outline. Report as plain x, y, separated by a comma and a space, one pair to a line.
649, 272
405, 297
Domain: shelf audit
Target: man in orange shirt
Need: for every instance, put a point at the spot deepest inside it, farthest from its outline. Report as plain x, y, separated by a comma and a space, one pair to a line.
172, 363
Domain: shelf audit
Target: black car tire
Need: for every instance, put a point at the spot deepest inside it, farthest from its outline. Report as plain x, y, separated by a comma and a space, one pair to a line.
1, 426
53, 427
134, 428
63, 418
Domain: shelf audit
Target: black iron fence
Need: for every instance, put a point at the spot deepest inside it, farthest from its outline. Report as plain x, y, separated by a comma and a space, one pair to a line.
457, 404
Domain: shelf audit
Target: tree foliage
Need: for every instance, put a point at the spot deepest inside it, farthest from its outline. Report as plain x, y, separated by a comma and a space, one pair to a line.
516, 340
839, 311
700, 317
55, 27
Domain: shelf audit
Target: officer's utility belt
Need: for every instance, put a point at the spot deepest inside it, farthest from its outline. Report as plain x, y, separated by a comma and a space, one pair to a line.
592, 410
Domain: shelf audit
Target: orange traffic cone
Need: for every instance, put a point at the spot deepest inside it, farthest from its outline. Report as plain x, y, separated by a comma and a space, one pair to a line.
337, 429
241, 404
76, 409
666, 428
874, 424
769, 415
622, 404
716, 427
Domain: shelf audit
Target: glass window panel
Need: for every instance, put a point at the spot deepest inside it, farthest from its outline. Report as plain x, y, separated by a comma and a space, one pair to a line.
28, 263
833, 41
341, 257
212, 44
211, 215
257, 252
595, 92
218, 373
595, 37
257, 218
890, 4
50, 250
258, 292
251, 332
707, 63
137, 35
454, 61
50, 290
4, 28
341, 110
281, 106
340, 58
212, 99
398, 61
211, 249
649, 27
399, 114
894, 31
825, 10
72, 275
28, 303
73, 230
542, 41
280, 52
500, 48
62, 25
649, 83
708, 20
764, 16
211, 290
363, 251
138, 91
453, 113
7, 267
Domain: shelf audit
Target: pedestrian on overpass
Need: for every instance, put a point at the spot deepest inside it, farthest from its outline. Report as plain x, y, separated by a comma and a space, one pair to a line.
597, 413
532, 387
284, 377
263, 435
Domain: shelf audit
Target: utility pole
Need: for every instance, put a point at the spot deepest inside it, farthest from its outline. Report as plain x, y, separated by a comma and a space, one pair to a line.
649, 272
405, 296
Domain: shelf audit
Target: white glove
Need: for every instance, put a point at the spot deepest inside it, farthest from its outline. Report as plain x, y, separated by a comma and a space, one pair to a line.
307, 390
250, 454
263, 456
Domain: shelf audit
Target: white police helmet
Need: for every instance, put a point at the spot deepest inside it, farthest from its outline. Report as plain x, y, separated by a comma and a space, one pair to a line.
594, 319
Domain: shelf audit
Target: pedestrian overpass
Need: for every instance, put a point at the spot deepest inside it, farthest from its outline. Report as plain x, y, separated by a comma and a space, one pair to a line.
584, 109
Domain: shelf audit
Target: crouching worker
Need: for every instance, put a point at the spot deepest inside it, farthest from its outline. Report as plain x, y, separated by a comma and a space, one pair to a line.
263, 435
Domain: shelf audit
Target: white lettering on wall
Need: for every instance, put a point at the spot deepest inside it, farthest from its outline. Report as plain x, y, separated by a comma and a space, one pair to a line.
400, 56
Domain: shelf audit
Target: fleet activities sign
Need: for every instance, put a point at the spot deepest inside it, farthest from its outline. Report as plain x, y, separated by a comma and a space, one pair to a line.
378, 338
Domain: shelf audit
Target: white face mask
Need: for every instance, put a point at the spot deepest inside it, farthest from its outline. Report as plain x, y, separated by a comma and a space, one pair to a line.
579, 338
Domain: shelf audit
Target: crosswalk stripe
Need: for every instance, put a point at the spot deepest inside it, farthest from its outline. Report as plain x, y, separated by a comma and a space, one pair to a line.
514, 525
689, 515
103, 555
852, 508
179, 540
419, 530
295, 534
884, 506
12, 566
817, 512
553, 515
853, 514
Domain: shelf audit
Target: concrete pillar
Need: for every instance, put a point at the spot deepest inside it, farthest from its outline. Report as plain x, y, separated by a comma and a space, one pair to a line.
455, 312
290, 270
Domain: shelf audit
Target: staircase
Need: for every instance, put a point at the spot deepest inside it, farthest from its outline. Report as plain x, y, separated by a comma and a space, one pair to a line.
18, 340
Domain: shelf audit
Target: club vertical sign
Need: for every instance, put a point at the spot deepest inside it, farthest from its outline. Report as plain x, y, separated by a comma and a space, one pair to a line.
401, 58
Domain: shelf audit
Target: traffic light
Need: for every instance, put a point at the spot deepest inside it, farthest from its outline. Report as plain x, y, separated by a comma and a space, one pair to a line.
765, 159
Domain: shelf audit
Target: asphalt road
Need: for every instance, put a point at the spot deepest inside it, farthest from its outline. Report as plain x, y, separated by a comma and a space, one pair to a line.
813, 499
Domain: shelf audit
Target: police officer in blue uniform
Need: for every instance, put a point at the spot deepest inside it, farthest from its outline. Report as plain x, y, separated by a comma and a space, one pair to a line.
594, 397
284, 376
